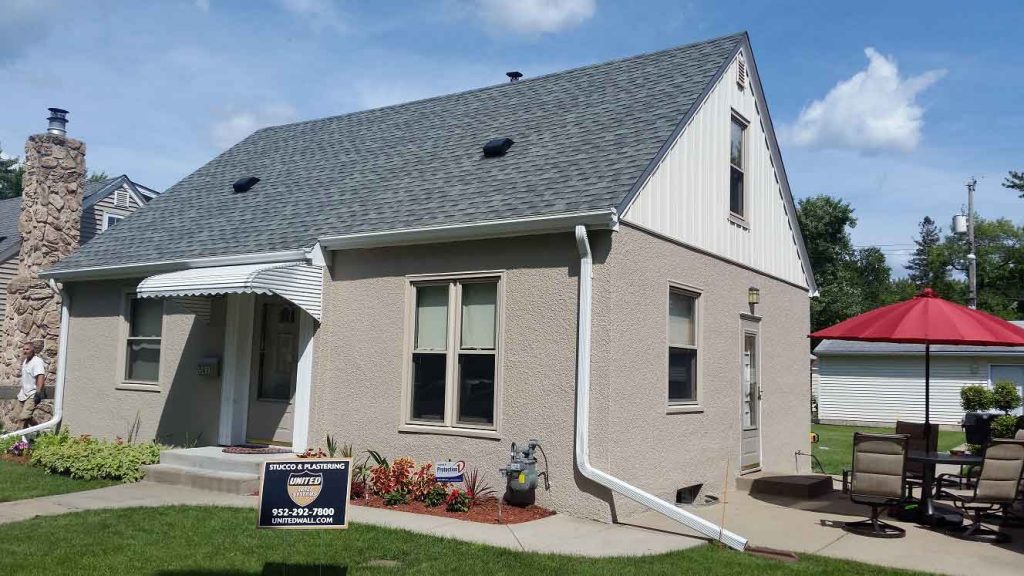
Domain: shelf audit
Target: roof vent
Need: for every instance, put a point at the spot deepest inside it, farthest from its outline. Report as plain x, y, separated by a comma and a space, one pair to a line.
497, 147
58, 121
244, 184
741, 73
514, 76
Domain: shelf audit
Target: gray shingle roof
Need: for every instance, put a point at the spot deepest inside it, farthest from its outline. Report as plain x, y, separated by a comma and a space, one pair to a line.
851, 347
582, 140
10, 209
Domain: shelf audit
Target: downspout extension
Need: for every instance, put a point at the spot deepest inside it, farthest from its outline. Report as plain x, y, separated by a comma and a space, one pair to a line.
614, 484
62, 349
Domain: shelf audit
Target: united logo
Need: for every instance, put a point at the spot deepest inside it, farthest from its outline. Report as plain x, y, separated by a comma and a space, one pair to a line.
304, 487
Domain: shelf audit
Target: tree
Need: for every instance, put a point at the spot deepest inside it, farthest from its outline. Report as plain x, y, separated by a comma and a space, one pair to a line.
97, 176
929, 267
1015, 181
1000, 266
10, 176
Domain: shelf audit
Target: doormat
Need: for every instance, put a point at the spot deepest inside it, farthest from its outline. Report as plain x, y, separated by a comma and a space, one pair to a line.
255, 449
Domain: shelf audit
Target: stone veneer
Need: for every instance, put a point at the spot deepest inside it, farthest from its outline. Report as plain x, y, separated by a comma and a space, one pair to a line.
51, 216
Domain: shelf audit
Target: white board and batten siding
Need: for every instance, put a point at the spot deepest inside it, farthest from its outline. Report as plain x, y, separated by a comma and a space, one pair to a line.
686, 198
120, 202
862, 388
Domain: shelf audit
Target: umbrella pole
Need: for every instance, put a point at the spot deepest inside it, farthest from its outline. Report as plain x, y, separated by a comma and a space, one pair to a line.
927, 395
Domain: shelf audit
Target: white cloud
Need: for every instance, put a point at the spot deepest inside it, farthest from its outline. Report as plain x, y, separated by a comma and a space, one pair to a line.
876, 109
203, 5
535, 16
238, 124
319, 14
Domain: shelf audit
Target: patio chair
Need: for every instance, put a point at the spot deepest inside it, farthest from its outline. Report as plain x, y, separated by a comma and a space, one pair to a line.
877, 479
997, 487
918, 440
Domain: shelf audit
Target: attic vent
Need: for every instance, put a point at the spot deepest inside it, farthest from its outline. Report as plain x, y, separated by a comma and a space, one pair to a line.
497, 147
121, 198
741, 73
244, 184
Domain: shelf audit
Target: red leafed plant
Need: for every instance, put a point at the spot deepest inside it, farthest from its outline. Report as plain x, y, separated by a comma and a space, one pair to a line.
458, 501
380, 480
423, 481
477, 488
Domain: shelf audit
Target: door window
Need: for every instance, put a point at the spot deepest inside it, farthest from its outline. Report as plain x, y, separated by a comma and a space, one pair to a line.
278, 351
750, 381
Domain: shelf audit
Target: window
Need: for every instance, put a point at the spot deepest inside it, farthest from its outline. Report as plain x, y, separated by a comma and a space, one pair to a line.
145, 328
110, 219
454, 353
737, 201
682, 347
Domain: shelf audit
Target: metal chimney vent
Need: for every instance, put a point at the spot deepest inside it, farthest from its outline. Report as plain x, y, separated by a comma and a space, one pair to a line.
244, 184
497, 147
58, 122
514, 76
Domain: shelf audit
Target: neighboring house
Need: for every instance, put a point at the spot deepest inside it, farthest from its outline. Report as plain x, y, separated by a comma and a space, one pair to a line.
104, 204
881, 382
391, 281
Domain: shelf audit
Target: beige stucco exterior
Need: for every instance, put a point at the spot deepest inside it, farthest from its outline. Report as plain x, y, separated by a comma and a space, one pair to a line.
360, 356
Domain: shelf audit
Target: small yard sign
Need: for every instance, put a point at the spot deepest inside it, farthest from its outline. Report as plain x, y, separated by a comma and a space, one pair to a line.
449, 471
305, 493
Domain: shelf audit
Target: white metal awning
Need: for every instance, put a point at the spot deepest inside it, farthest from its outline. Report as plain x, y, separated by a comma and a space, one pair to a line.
301, 284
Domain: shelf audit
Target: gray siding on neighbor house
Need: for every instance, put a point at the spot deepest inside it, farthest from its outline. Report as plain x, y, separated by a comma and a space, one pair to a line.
92, 216
8, 268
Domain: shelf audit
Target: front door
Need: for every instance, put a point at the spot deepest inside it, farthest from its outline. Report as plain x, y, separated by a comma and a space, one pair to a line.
750, 447
275, 360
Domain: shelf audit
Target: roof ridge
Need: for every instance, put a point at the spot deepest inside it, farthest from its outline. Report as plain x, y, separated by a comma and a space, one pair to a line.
736, 35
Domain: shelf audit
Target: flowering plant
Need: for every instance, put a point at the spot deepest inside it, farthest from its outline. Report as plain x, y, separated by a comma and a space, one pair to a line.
458, 501
423, 481
19, 448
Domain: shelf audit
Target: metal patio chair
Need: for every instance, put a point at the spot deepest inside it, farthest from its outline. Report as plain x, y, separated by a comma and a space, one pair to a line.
877, 480
918, 439
997, 488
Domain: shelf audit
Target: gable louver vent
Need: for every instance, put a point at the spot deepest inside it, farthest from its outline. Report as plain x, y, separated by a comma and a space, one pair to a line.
244, 184
497, 147
121, 198
741, 73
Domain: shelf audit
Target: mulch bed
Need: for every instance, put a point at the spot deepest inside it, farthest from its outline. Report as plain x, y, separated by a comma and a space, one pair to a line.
16, 459
254, 449
486, 512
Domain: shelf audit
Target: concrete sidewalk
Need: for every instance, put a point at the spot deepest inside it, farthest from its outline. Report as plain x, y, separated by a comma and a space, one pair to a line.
557, 534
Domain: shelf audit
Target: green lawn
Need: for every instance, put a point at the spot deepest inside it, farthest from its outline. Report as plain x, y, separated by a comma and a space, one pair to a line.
206, 541
20, 481
835, 444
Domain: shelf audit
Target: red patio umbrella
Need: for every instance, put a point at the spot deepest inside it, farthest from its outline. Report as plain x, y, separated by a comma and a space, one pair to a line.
926, 319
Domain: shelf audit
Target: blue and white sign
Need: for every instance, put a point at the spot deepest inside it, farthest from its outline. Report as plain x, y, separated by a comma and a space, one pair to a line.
449, 472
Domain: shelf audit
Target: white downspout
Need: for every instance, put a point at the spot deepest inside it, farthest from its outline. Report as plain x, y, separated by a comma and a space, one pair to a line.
583, 417
62, 354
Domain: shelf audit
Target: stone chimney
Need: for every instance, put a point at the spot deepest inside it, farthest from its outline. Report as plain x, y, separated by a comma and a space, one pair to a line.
51, 216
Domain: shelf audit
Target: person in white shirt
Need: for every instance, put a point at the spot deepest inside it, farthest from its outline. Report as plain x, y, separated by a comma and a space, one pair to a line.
33, 379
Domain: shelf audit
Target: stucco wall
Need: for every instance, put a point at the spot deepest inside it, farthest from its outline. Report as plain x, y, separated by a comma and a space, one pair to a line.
358, 373
183, 406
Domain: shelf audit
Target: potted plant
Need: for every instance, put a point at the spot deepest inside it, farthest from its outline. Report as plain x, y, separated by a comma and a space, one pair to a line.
1006, 399
977, 400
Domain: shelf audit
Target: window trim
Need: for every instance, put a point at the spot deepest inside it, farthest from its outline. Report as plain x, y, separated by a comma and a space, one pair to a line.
125, 383
738, 218
106, 219
449, 425
695, 405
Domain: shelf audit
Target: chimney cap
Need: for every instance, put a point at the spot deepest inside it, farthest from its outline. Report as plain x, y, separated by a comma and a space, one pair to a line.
514, 75
58, 121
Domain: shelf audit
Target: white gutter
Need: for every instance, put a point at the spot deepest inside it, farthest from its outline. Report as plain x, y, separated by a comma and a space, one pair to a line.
148, 268
62, 354
607, 218
583, 418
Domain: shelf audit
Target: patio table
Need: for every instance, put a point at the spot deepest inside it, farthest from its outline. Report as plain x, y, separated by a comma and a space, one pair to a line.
927, 513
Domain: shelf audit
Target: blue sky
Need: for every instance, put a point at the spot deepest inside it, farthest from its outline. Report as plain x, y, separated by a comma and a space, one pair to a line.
891, 106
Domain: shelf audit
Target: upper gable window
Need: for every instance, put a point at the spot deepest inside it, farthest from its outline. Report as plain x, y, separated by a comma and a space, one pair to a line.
737, 136
110, 219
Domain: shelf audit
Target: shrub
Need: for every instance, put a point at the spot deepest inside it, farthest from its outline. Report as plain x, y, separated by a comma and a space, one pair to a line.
457, 501
423, 481
1004, 426
396, 497
7, 443
436, 496
386, 478
87, 458
358, 489
1005, 396
976, 398
476, 487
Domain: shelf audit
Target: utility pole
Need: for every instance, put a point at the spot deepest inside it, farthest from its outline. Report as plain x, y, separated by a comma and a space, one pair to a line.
972, 258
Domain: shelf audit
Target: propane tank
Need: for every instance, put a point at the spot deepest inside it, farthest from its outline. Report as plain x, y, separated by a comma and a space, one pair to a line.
521, 474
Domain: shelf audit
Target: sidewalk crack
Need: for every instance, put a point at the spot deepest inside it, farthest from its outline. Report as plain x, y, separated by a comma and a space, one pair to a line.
516, 536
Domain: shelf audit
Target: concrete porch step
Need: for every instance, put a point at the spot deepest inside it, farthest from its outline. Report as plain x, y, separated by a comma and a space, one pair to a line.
214, 480
790, 485
214, 458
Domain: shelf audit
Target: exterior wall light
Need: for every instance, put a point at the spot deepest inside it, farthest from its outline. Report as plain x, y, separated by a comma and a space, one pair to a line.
753, 296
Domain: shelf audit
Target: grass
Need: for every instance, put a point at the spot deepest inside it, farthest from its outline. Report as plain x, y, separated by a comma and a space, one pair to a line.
835, 443
21, 481
176, 541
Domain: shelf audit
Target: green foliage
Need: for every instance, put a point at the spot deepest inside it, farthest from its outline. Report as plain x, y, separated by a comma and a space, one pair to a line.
1005, 396
1015, 181
11, 173
97, 176
332, 446
930, 265
458, 501
436, 496
1000, 266
396, 497
86, 458
976, 398
6, 443
1004, 426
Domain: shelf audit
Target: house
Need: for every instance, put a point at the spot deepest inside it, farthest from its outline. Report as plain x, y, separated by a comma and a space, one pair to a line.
605, 259
104, 203
882, 382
